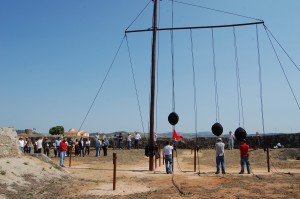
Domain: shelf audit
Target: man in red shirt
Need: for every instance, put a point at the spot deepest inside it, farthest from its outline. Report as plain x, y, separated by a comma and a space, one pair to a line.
244, 148
63, 150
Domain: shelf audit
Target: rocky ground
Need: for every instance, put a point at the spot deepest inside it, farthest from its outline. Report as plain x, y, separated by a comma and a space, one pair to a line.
27, 176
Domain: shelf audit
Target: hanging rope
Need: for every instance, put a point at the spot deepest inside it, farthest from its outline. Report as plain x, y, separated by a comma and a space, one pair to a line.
194, 81
195, 95
134, 82
106, 75
215, 77
282, 68
172, 54
238, 82
260, 83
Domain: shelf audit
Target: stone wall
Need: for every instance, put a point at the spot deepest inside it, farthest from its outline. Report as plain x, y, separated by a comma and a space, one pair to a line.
9, 143
288, 140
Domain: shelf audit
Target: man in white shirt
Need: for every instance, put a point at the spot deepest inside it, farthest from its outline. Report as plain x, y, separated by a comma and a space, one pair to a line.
231, 141
220, 156
22, 144
137, 137
168, 157
39, 145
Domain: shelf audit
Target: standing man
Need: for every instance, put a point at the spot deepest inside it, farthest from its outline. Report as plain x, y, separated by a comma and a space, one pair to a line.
231, 141
81, 147
63, 149
87, 146
120, 140
105, 146
57, 143
21, 144
128, 141
115, 141
244, 149
168, 157
137, 137
39, 145
98, 147
220, 156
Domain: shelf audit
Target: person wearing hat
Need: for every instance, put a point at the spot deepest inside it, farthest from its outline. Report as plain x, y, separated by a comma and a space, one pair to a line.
244, 151
220, 156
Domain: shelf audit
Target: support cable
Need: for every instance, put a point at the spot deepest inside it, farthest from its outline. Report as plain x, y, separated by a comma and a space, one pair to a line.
106, 75
138, 15
282, 68
134, 82
282, 48
212, 9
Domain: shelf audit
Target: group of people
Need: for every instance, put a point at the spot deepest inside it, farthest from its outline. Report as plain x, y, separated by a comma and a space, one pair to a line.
118, 140
27, 145
220, 156
244, 156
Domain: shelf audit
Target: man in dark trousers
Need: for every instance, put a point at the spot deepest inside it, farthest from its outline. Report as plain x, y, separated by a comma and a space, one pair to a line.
244, 151
168, 157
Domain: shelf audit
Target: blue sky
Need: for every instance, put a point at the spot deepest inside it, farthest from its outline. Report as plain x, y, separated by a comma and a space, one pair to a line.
55, 54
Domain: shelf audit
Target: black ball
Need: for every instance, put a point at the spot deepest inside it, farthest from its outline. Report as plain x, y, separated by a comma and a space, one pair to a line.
217, 129
173, 118
240, 134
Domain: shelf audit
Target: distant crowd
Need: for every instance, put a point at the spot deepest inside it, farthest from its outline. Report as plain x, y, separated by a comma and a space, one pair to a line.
80, 146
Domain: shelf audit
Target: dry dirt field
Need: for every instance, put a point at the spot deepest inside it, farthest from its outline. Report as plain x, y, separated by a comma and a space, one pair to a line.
91, 177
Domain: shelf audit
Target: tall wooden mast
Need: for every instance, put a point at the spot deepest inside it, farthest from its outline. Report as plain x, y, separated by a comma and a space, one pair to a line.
153, 61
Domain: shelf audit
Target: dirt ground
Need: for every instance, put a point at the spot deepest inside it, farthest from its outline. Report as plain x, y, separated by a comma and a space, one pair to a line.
92, 177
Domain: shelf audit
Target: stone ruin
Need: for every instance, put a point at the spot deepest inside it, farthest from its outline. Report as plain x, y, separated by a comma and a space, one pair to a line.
9, 145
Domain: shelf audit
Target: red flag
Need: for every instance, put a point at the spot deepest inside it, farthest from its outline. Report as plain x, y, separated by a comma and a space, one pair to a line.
176, 136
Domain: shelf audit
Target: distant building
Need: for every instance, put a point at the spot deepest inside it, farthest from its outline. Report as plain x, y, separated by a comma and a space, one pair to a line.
74, 133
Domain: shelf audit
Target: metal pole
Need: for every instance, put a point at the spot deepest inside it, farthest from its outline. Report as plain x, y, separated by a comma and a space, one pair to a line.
115, 168
153, 60
195, 159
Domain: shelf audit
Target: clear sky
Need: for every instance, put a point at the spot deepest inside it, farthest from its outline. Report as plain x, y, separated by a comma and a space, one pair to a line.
55, 54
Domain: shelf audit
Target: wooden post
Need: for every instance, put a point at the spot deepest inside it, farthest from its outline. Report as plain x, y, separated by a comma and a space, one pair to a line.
159, 151
195, 159
268, 160
155, 153
115, 168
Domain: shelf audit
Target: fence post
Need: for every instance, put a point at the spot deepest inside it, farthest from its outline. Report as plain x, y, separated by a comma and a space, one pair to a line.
115, 168
268, 160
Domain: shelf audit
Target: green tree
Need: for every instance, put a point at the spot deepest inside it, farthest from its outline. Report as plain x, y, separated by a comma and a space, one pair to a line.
57, 130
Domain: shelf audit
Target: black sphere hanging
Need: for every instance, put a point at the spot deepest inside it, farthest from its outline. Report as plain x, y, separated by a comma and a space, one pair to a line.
173, 118
217, 129
240, 134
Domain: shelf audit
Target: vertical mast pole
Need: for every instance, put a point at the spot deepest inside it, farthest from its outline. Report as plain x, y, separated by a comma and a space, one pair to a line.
153, 60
